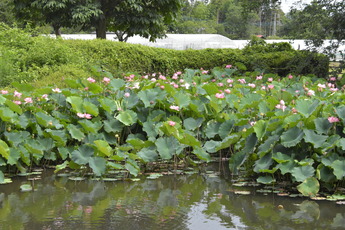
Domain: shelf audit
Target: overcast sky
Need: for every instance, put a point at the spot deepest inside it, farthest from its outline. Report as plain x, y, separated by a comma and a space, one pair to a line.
286, 4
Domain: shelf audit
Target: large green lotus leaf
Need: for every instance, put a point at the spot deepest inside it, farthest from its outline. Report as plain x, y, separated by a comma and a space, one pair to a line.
303, 172
338, 167
211, 88
281, 157
250, 100
331, 142
25, 155
138, 143
250, 144
116, 84
127, 117
268, 144
228, 141
148, 154
107, 104
8, 115
132, 167
112, 126
114, 165
187, 139
46, 120
14, 156
75, 132
34, 146
94, 88
211, 146
212, 128
341, 143
23, 86
292, 137
292, 120
316, 139
24, 120
64, 152
182, 99
263, 163
309, 187
341, 112
268, 179
90, 108
328, 159
2, 100
82, 155
260, 128
103, 147
76, 103
14, 107
150, 129
90, 126
156, 115
236, 161
322, 125
306, 107
60, 136
16, 138
192, 124
232, 100
202, 154
4, 149
167, 147
325, 174
98, 165
286, 167
61, 166
148, 97
225, 128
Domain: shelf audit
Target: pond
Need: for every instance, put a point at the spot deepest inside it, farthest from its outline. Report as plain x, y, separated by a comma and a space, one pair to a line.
191, 201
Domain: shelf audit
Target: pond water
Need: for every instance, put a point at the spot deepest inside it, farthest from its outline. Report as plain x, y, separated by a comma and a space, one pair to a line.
193, 201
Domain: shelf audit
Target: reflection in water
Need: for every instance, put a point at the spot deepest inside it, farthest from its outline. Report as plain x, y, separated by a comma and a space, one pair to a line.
170, 202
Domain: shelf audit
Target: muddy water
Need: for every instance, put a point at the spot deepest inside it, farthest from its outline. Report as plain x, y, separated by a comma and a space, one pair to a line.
194, 201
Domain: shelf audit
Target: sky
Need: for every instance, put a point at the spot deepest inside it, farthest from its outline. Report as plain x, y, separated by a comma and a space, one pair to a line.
286, 4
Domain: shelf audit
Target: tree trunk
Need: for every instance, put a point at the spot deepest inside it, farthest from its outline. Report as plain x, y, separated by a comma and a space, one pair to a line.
101, 28
57, 30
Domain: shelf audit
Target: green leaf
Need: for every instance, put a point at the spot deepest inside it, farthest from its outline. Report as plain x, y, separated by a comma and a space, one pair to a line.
2, 100
167, 147
148, 154
338, 167
82, 155
225, 128
292, 137
236, 161
61, 166
60, 136
4, 149
306, 107
263, 163
76, 103
75, 132
188, 139
13, 157
182, 99
260, 128
107, 104
90, 126
104, 147
149, 128
14, 107
268, 144
17, 138
192, 124
212, 128
281, 157
127, 117
23, 86
90, 108
309, 187
47, 121
7, 115
322, 125
98, 165
316, 139
340, 110
211, 146
148, 97
250, 144
228, 141
112, 126
202, 154
303, 172
116, 84
268, 179
132, 167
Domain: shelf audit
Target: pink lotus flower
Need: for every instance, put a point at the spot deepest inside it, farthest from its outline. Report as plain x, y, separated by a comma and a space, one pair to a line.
242, 81
56, 90
281, 105
175, 107
28, 100
220, 84
106, 80
227, 91
228, 66
17, 102
263, 87
332, 78
162, 77
4, 92
311, 92
172, 123
220, 95
175, 77
84, 115
229, 81
270, 79
162, 87
127, 94
153, 79
252, 123
333, 119
290, 76
45, 96
17, 94
204, 72
251, 85
333, 89
259, 77
270, 86
90, 79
